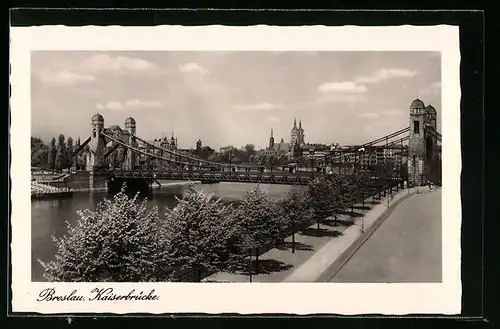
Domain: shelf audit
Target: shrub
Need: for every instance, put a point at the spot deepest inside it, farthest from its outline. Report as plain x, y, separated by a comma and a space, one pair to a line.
295, 209
121, 241
322, 195
259, 218
202, 232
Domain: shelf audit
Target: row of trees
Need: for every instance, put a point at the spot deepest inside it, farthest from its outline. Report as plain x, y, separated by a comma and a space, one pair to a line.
123, 240
57, 155
231, 154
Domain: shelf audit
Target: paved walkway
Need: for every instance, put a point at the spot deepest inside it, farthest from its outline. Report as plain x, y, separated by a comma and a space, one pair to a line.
407, 247
315, 249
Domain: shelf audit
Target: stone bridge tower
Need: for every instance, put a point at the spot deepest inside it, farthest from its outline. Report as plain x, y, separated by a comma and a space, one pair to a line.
97, 145
423, 163
97, 149
131, 158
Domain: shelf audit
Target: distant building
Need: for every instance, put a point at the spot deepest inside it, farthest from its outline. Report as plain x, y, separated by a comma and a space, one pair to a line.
316, 147
164, 142
297, 135
369, 156
276, 149
296, 147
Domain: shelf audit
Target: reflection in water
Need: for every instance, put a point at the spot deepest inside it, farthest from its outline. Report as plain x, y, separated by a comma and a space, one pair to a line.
48, 217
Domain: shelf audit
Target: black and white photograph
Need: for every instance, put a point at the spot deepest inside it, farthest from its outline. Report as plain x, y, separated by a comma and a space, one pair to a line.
222, 167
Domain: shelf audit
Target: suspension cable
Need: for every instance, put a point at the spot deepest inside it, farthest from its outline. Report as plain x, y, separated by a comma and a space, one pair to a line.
149, 154
392, 135
177, 154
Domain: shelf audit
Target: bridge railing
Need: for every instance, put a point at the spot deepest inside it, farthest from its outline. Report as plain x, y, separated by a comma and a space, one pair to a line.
196, 275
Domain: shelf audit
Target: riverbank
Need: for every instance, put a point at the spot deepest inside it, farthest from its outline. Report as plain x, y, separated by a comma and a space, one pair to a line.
51, 195
49, 217
42, 191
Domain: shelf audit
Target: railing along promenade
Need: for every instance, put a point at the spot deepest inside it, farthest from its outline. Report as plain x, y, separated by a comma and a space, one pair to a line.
377, 192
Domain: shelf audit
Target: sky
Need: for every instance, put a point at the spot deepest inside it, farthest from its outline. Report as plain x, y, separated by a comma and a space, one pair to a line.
232, 98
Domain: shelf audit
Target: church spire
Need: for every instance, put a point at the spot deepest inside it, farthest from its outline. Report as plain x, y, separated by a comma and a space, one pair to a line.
294, 123
271, 140
300, 124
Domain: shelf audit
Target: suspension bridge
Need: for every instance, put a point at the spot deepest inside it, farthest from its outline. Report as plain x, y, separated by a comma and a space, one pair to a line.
416, 147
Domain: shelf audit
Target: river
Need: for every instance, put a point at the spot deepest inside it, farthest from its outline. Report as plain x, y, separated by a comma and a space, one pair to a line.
48, 217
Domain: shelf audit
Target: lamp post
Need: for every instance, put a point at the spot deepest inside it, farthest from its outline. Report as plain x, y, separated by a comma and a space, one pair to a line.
362, 225
250, 265
311, 153
387, 180
361, 159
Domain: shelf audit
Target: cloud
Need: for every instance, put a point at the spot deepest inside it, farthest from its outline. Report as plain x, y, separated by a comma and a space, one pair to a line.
385, 74
259, 107
104, 62
273, 119
370, 127
433, 89
64, 78
326, 101
342, 87
368, 115
134, 103
131, 104
193, 68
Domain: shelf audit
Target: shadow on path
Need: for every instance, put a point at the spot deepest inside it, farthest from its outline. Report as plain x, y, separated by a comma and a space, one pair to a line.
362, 208
352, 214
339, 222
267, 266
298, 246
321, 232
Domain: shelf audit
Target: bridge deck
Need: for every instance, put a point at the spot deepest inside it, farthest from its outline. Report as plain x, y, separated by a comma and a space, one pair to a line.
275, 177
300, 178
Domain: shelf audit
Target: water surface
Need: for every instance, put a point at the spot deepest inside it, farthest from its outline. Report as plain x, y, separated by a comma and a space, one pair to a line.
48, 217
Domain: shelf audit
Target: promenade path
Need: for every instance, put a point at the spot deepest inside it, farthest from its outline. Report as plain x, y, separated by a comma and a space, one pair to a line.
315, 249
405, 248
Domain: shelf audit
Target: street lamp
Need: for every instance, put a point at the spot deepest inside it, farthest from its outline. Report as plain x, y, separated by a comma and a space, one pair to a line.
311, 152
250, 265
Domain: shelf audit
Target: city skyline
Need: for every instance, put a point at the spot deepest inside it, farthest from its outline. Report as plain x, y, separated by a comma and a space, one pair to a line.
233, 98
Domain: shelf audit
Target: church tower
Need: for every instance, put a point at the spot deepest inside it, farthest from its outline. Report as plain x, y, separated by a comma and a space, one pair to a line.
271, 140
173, 142
422, 145
294, 135
301, 134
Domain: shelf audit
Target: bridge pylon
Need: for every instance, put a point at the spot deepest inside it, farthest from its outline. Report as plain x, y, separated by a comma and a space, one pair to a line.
423, 158
131, 158
97, 149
